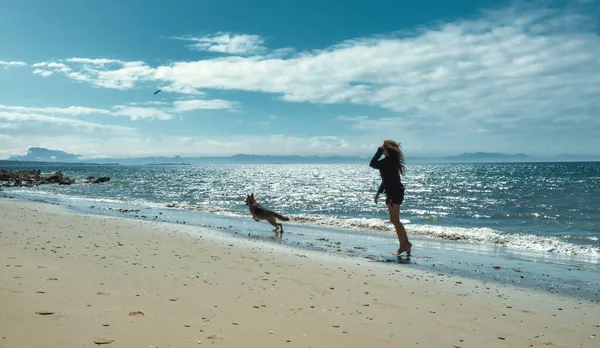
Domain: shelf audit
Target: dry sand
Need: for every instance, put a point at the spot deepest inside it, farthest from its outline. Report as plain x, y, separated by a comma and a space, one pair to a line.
67, 280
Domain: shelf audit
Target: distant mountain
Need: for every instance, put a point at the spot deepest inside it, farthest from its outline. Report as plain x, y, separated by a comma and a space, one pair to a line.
51, 157
41, 154
10, 163
238, 159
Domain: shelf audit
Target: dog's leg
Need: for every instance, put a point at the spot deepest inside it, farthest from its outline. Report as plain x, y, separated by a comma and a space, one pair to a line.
272, 221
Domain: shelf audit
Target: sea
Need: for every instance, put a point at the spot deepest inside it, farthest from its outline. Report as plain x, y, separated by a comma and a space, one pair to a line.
523, 224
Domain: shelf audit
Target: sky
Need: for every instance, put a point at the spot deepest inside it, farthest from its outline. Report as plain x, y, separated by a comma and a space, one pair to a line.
299, 77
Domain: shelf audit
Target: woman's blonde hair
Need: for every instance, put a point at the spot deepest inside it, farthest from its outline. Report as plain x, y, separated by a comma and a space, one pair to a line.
395, 152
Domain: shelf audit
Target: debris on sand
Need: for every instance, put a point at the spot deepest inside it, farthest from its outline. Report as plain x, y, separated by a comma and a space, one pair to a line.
102, 341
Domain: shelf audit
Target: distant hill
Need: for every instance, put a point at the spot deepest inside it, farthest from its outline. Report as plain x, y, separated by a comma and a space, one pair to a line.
10, 163
40, 154
44, 156
238, 159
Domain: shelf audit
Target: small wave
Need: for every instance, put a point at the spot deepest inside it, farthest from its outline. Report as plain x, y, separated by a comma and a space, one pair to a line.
485, 236
354, 223
493, 237
314, 219
424, 212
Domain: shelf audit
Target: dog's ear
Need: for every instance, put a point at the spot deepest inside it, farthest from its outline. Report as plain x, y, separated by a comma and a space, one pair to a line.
252, 195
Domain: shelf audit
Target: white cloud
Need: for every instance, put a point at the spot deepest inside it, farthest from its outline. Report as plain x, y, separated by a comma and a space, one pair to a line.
123, 78
79, 77
119, 145
391, 124
171, 145
101, 72
136, 113
43, 73
150, 110
488, 73
8, 64
174, 88
34, 124
50, 68
94, 61
505, 74
52, 65
199, 104
226, 43
68, 111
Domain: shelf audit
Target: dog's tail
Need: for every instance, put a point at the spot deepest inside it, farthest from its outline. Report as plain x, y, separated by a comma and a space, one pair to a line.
281, 217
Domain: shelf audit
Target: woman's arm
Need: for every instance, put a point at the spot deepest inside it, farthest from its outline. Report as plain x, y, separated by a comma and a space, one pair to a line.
375, 163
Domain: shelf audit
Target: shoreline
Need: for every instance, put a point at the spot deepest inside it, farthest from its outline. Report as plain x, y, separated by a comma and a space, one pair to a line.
193, 286
571, 251
534, 270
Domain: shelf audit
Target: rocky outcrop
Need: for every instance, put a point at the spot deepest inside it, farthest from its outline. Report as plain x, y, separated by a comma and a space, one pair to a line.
28, 178
94, 180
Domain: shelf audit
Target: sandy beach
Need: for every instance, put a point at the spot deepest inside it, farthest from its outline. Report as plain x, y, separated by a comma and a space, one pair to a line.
74, 280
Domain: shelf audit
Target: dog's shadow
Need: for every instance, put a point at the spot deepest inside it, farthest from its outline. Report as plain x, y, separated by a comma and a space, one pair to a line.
276, 237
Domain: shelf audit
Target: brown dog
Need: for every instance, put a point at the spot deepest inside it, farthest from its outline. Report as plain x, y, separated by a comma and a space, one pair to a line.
261, 213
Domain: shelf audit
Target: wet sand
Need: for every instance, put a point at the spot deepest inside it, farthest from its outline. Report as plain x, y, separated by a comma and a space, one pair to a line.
74, 280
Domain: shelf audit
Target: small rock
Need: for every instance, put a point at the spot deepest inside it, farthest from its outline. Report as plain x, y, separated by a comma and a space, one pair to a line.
44, 312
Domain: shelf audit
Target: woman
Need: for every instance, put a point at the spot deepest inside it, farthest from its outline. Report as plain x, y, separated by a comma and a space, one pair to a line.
391, 168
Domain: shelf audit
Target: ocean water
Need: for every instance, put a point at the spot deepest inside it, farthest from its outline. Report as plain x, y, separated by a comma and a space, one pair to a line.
538, 213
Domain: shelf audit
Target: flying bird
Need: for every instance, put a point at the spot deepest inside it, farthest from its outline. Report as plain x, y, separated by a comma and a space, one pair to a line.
157, 91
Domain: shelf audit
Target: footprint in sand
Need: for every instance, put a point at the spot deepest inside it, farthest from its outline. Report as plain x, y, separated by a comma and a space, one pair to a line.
136, 314
44, 312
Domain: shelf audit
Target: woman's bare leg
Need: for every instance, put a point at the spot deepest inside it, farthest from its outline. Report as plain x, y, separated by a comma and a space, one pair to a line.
394, 210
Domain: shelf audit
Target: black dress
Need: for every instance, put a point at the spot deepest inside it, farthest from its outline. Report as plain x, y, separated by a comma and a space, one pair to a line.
391, 183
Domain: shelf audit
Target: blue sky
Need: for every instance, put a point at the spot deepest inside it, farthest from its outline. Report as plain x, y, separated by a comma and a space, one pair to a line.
310, 77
